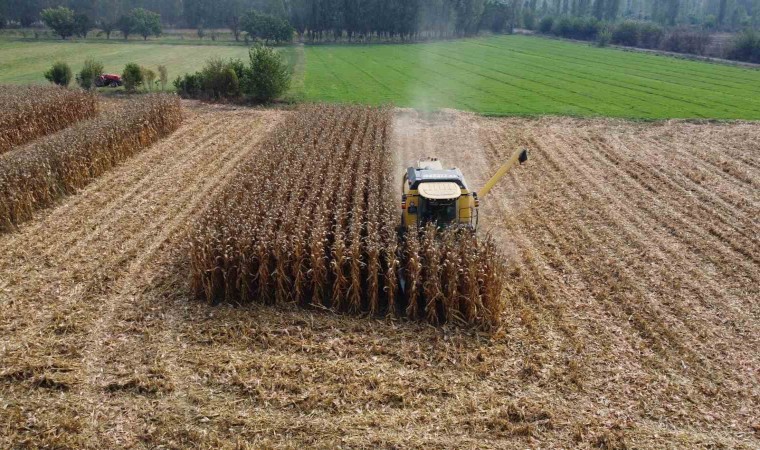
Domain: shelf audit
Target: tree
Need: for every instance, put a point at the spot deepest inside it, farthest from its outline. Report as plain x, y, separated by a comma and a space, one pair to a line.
599, 9
59, 74
722, 12
233, 21
270, 74
266, 27
126, 25
91, 70
132, 77
146, 23
82, 25
60, 20
107, 27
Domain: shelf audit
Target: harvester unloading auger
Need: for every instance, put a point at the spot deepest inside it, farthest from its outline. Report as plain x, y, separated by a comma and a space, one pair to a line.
434, 195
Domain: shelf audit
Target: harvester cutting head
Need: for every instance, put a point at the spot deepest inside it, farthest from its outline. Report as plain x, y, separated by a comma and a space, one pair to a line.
434, 195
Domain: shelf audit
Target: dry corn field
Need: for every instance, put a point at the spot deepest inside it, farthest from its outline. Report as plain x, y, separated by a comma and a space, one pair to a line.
29, 112
39, 174
630, 315
311, 218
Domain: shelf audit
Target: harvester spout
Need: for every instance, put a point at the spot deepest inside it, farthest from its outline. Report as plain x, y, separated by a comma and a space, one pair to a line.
519, 156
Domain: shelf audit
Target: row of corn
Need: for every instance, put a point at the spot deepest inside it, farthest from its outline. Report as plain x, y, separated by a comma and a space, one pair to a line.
30, 112
310, 218
39, 174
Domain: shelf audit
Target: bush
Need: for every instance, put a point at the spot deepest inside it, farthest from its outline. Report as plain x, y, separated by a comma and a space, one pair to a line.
650, 35
190, 85
59, 74
266, 78
683, 40
626, 33
91, 70
562, 27
529, 20
163, 77
604, 37
270, 74
746, 47
546, 24
219, 80
149, 78
132, 77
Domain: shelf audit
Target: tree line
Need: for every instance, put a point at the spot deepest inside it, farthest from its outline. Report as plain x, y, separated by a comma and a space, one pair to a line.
326, 19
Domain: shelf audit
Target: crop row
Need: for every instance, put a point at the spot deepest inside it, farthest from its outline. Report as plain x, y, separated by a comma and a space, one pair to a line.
37, 175
311, 218
30, 112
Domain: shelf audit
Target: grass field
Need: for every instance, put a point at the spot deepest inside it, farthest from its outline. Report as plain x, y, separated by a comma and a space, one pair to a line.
503, 75
519, 75
26, 61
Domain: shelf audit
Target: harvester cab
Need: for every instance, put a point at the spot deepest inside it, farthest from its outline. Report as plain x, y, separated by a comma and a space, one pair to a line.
434, 195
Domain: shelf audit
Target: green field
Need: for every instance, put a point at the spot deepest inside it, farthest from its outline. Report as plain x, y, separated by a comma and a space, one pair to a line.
502, 75
520, 75
26, 61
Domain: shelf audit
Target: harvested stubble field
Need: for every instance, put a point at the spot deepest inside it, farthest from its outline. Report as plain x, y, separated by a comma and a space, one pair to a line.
28, 112
631, 317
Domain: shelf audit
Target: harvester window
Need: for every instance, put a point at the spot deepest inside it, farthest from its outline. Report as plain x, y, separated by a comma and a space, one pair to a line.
440, 212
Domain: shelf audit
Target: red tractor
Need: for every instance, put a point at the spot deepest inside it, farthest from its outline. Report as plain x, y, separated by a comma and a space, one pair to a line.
108, 80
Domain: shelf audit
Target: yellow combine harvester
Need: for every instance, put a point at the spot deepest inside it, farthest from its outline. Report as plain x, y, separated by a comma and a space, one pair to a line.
434, 195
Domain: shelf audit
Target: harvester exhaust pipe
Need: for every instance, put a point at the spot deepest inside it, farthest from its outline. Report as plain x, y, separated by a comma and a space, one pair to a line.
520, 156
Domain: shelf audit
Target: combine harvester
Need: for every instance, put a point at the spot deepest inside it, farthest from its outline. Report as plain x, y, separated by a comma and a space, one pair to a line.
434, 195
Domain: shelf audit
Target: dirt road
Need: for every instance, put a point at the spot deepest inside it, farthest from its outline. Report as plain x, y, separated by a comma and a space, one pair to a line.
633, 307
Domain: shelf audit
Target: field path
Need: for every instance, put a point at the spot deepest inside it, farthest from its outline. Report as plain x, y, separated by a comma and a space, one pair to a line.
67, 276
636, 252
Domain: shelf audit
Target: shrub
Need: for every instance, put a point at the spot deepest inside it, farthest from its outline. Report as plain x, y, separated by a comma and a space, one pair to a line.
190, 85
746, 47
650, 35
219, 80
588, 29
626, 33
91, 70
163, 77
270, 74
683, 40
59, 74
546, 24
562, 27
529, 20
132, 77
604, 37
149, 78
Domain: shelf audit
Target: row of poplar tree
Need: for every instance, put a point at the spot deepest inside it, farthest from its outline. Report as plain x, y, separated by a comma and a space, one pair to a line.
322, 19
